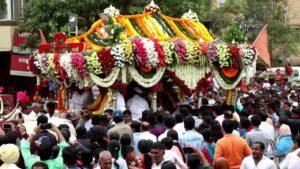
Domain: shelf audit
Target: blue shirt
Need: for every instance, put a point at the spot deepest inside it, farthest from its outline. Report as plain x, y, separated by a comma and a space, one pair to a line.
192, 139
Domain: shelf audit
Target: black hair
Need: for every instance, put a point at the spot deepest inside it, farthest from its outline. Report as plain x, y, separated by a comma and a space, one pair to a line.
179, 118
235, 124
216, 131
261, 145
97, 135
40, 164
206, 135
151, 119
127, 112
174, 135
109, 111
168, 165
63, 126
203, 126
114, 136
125, 140
193, 162
168, 142
66, 133
114, 147
42, 119
144, 147
189, 123
136, 126
195, 112
169, 121
126, 150
118, 119
69, 155
10, 137
95, 119
227, 126
184, 110
245, 122
245, 112
145, 127
86, 157
255, 120
81, 132
44, 150
158, 145
145, 115
263, 114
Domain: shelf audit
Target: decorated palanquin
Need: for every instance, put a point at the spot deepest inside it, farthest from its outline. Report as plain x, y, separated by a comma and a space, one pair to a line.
144, 48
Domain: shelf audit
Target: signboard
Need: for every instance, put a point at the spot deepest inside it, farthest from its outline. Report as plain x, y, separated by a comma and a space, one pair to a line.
18, 65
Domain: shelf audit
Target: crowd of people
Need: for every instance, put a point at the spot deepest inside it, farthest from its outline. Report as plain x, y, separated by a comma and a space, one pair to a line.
260, 131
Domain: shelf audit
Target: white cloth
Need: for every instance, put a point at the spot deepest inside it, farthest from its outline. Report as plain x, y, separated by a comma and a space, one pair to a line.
173, 157
179, 128
122, 164
147, 136
264, 163
220, 119
120, 105
77, 101
295, 164
58, 121
163, 135
290, 160
268, 129
266, 85
137, 105
32, 116
10, 166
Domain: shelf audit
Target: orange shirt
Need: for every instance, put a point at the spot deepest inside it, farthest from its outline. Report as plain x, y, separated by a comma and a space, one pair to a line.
233, 148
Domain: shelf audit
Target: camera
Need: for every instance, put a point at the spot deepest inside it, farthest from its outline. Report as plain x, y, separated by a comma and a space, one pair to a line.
45, 126
7, 126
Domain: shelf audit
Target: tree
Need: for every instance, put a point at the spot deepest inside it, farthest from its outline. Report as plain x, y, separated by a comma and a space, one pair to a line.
2, 5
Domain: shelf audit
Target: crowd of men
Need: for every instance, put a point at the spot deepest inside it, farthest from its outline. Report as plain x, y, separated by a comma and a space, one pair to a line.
261, 131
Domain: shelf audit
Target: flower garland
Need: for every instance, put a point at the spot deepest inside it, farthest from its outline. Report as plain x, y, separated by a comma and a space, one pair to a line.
152, 55
93, 64
51, 66
190, 15
146, 82
65, 63
181, 50
248, 53
224, 55
107, 81
119, 55
41, 63
223, 83
140, 52
212, 53
127, 47
194, 54
78, 62
32, 66
235, 53
59, 69
161, 53
168, 49
106, 60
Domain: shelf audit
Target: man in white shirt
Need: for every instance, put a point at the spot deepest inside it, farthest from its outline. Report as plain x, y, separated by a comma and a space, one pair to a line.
291, 159
32, 116
169, 122
179, 127
257, 160
137, 104
146, 135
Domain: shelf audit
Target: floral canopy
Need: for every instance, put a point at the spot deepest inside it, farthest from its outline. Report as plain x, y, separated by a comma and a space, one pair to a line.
143, 48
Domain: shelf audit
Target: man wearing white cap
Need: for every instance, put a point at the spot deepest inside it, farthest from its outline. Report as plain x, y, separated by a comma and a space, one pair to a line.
137, 104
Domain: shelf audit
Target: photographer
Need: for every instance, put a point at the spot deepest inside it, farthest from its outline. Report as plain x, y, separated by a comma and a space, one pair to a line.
44, 148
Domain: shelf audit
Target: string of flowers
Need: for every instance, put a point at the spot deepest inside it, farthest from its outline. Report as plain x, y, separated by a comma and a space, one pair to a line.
161, 53
119, 55
127, 47
106, 60
78, 62
249, 53
193, 53
224, 55
140, 52
152, 55
168, 49
93, 64
181, 50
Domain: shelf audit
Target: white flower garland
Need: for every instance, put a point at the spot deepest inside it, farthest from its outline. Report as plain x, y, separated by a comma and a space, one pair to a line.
107, 81
144, 81
221, 81
152, 55
224, 56
41, 63
119, 55
112, 11
190, 74
248, 54
65, 62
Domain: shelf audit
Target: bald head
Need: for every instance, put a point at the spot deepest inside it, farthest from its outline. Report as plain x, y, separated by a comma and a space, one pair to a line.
36, 107
145, 126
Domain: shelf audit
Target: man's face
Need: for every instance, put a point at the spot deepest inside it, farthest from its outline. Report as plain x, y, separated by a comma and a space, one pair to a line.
105, 163
36, 109
257, 152
127, 118
157, 155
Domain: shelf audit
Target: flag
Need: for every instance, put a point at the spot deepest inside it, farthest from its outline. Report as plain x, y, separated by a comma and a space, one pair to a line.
261, 44
43, 39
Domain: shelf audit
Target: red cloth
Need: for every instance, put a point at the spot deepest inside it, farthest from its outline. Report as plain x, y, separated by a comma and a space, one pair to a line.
280, 78
288, 70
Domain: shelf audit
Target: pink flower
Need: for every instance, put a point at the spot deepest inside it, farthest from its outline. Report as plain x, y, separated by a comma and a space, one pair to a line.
77, 60
22, 98
1, 89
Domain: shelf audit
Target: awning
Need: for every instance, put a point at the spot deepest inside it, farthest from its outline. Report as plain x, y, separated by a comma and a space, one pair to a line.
18, 65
